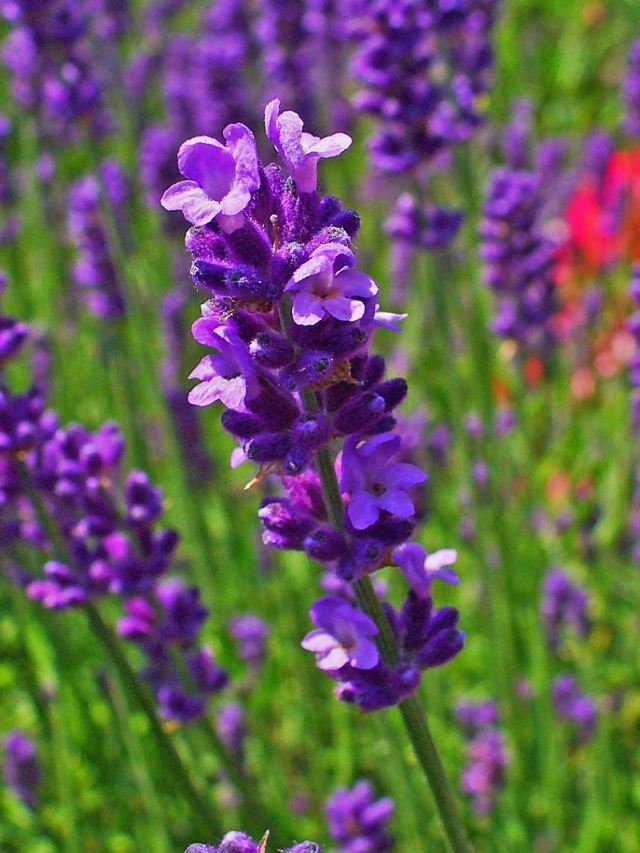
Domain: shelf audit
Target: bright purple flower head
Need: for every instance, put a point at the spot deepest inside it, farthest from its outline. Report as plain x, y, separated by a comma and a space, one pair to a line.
220, 177
343, 636
325, 285
420, 568
374, 483
300, 151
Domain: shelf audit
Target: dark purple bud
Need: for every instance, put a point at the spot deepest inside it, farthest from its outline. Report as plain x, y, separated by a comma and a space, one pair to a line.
309, 368
241, 424
369, 372
324, 544
277, 408
268, 447
358, 414
311, 431
270, 350
393, 391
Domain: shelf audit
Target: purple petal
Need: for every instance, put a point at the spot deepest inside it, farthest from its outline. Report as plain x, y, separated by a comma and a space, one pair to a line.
188, 197
209, 163
342, 308
330, 146
207, 392
402, 475
397, 502
356, 283
306, 309
363, 510
364, 654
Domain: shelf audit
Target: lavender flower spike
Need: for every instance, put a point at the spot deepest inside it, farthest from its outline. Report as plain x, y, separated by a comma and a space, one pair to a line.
21, 769
300, 151
220, 181
342, 637
325, 284
238, 842
357, 822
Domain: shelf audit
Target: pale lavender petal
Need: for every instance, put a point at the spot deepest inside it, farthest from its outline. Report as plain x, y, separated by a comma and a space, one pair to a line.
344, 309
229, 224
318, 641
306, 310
204, 332
312, 267
363, 510
335, 659
234, 392
207, 392
388, 320
205, 368
238, 457
330, 146
195, 205
356, 283
243, 146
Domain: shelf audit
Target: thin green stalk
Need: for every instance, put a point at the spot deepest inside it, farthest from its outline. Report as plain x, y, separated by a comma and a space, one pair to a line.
202, 811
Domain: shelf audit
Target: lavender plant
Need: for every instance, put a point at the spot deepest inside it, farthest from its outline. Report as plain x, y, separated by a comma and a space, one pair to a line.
290, 321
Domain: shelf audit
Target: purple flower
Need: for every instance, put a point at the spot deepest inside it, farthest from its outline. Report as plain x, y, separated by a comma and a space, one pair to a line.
325, 285
343, 636
220, 178
573, 705
563, 604
358, 822
238, 842
21, 768
228, 376
420, 568
300, 151
374, 483
250, 633
483, 776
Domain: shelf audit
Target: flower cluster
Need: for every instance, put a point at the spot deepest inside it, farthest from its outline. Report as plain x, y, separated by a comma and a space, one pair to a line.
94, 271
484, 775
424, 68
289, 321
564, 604
21, 768
51, 66
358, 822
519, 259
238, 842
574, 706
631, 91
97, 532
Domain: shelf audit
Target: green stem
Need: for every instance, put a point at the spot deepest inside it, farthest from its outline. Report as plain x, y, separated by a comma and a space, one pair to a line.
200, 808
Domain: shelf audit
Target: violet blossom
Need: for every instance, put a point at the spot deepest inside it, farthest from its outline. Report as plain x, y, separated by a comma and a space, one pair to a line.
357, 821
220, 178
292, 390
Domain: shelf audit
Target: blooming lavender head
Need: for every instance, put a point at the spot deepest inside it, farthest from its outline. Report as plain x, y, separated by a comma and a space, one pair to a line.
423, 69
631, 91
251, 634
21, 768
358, 822
94, 271
574, 706
518, 260
483, 776
238, 842
563, 605
288, 324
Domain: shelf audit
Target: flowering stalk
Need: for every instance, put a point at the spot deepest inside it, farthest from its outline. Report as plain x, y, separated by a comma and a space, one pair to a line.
290, 321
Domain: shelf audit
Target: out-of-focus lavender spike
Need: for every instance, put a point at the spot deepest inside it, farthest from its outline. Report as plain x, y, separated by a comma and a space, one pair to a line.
484, 774
357, 821
631, 91
21, 767
49, 58
515, 136
404, 50
574, 706
519, 260
286, 53
94, 270
231, 728
250, 634
563, 605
